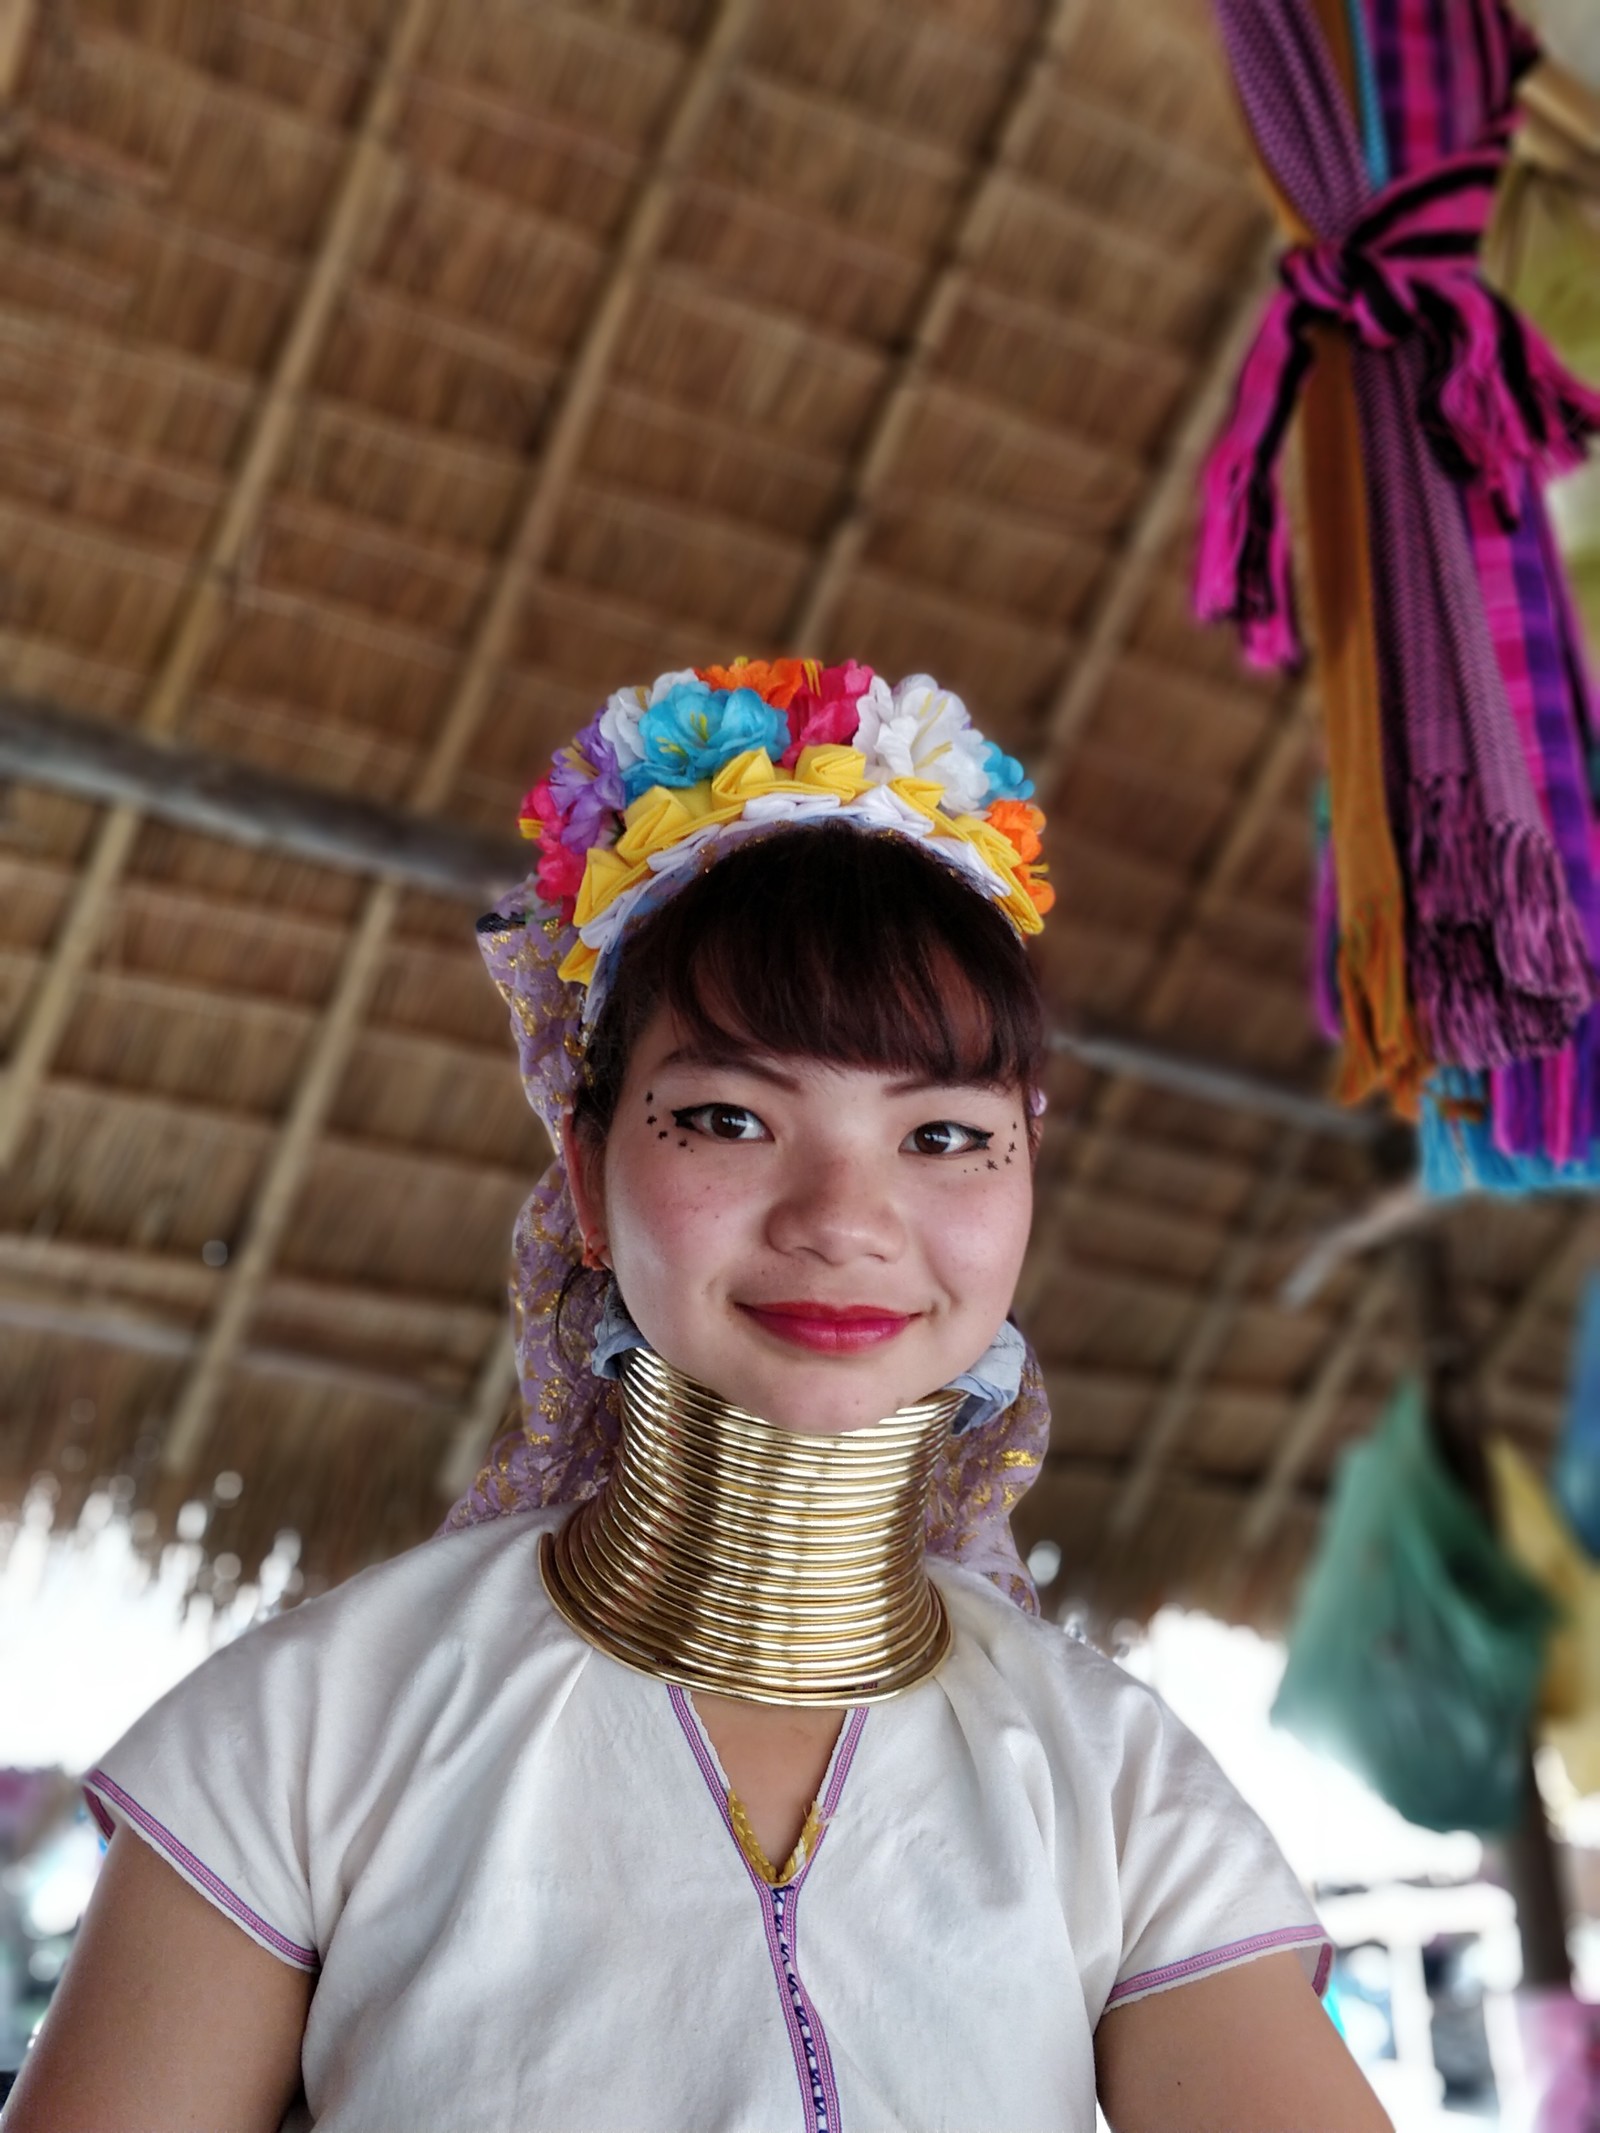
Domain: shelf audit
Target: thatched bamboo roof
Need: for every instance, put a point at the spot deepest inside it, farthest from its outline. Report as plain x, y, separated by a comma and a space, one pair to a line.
381, 382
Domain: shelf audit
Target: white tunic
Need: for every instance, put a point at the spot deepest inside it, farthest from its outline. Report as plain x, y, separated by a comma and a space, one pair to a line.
509, 1861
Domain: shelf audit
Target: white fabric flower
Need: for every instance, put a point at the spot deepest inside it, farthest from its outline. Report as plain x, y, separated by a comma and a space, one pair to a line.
923, 731
619, 722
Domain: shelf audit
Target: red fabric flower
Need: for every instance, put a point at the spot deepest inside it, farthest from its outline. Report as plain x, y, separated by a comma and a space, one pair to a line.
559, 874
824, 711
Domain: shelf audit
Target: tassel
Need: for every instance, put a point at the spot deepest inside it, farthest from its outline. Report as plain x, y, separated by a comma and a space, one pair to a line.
1565, 411
1500, 969
1242, 573
1498, 398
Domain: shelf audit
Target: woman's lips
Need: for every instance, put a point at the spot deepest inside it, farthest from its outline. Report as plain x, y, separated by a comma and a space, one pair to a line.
829, 1329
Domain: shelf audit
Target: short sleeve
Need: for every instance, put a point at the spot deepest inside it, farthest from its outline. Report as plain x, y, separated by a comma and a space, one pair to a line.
213, 1777
1203, 1884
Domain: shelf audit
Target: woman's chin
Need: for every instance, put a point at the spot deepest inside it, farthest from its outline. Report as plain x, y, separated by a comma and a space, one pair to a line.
812, 1395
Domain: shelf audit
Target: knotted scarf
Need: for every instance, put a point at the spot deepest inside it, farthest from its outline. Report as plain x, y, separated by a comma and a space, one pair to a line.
1450, 388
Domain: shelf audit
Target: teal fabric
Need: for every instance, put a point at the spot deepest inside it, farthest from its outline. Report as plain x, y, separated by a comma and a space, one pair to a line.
1418, 1644
1457, 1153
1374, 145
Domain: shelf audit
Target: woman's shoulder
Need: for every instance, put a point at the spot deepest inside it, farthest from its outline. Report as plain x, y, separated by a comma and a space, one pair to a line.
1069, 1691
454, 1606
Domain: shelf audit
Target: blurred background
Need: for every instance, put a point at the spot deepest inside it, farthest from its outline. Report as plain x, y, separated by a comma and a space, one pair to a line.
382, 382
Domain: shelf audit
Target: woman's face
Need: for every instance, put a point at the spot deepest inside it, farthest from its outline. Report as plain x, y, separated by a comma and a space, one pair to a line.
817, 1244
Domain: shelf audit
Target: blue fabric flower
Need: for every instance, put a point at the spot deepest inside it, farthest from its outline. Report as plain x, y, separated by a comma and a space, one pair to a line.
1007, 778
694, 730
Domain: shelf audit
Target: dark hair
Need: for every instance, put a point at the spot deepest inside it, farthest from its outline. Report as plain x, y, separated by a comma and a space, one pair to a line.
827, 942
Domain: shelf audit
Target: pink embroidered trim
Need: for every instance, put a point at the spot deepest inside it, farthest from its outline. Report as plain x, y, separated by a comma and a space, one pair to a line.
194, 1869
1220, 1958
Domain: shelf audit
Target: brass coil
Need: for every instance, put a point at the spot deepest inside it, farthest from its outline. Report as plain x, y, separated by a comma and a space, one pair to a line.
733, 1556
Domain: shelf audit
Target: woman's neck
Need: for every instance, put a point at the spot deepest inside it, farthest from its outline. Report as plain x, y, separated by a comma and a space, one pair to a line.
732, 1556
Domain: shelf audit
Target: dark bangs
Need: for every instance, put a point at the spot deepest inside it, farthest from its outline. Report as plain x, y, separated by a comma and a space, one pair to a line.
831, 943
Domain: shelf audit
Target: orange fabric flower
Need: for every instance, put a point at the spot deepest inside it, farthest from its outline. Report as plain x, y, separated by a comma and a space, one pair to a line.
775, 681
1040, 892
1019, 822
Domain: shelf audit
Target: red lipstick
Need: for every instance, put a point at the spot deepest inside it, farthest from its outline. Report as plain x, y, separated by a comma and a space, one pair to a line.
830, 1329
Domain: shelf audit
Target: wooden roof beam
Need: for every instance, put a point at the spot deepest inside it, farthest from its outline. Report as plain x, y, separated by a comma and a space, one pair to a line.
137, 1274
219, 796
522, 559
139, 1330
361, 197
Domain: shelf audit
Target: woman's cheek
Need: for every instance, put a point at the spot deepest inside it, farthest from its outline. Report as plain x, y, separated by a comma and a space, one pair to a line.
679, 1197
981, 1241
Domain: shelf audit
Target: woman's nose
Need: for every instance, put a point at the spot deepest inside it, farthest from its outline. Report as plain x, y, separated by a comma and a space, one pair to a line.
837, 1206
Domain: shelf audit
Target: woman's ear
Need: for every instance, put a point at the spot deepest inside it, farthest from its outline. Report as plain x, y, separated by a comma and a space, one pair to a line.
584, 1157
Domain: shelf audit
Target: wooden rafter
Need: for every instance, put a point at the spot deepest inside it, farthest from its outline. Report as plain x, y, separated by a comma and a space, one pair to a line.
1112, 1097
1167, 502
481, 1418
1317, 1405
971, 222
18, 21
1572, 1252
522, 558
1208, 1335
362, 196
281, 1178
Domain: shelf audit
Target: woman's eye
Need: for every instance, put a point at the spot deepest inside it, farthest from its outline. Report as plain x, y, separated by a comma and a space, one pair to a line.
944, 1137
721, 1122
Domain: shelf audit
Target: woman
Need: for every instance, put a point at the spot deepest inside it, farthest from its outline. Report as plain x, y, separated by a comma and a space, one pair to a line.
487, 1838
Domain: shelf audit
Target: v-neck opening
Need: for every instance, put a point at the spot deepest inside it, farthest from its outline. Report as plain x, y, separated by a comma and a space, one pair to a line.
823, 1808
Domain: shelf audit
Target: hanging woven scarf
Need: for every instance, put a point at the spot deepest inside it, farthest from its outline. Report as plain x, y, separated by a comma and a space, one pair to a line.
1451, 388
1442, 79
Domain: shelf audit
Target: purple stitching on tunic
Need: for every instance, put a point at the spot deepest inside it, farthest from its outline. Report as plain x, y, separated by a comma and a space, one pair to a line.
180, 1854
1218, 1958
780, 1911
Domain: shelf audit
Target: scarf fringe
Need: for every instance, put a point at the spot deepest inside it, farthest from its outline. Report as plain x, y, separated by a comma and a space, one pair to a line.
1500, 401
1242, 570
1499, 965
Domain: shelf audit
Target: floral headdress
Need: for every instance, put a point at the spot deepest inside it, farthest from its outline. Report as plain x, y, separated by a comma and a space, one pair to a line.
667, 776
658, 785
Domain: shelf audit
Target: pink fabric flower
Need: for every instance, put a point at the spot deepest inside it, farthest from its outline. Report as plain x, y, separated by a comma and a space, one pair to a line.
826, 716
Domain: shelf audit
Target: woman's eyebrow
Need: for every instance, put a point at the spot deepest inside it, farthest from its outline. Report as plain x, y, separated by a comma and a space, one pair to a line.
699, 1055
923, 1085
